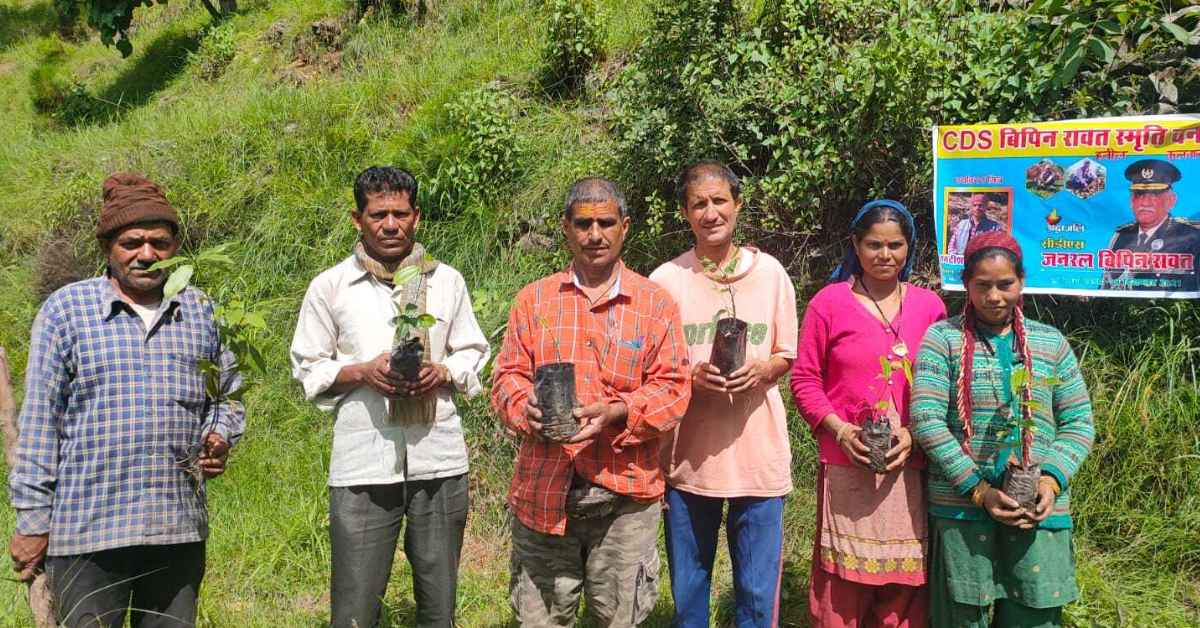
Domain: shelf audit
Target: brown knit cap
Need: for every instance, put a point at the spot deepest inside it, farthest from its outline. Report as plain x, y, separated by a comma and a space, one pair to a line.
130, 198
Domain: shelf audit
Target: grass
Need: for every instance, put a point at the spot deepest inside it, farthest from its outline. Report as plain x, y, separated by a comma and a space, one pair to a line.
252, 158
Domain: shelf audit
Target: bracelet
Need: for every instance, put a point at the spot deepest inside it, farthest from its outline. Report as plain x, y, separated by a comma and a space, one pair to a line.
978, 492
1048, 481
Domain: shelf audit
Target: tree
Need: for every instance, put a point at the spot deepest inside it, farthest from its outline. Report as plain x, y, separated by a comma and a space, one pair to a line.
113, 17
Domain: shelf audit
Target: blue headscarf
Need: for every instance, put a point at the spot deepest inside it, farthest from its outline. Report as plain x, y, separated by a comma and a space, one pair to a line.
850, 266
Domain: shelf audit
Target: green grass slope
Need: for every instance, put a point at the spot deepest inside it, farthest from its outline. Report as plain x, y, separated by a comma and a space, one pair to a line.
256, 130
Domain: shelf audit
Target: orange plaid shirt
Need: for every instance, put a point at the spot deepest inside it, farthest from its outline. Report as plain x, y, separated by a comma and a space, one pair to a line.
628, 347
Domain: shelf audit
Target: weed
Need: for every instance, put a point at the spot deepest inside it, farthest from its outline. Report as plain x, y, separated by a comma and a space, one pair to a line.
216, 51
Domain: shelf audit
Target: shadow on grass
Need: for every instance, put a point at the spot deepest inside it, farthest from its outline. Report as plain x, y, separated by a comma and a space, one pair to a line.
21, 23
155, 67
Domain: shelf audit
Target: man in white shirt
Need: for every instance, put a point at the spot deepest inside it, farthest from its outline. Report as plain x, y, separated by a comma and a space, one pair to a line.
398, 447
976, 222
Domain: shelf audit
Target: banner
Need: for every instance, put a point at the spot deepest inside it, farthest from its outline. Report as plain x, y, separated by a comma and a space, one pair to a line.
1101, 207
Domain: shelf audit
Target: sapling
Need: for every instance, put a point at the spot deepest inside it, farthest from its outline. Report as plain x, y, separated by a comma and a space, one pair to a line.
554, 386
1021, 475
877, 425
729, 342
408, 352
240, 327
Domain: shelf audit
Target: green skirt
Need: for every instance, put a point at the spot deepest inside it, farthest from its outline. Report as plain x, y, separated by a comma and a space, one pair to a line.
978, 563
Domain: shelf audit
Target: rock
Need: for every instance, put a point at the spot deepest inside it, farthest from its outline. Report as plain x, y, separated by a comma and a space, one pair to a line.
534, 241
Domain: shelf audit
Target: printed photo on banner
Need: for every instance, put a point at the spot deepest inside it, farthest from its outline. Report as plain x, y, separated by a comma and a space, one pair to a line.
1102, 207
974, 211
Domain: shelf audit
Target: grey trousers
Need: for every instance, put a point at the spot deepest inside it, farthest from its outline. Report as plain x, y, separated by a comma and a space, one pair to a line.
364, 525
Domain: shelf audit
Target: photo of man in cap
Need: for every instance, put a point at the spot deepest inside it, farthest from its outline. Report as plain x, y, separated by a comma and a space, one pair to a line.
1154, 230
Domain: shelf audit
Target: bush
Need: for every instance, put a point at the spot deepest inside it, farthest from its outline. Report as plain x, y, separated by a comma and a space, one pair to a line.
573, 45
821, 104
485, 152
216, 52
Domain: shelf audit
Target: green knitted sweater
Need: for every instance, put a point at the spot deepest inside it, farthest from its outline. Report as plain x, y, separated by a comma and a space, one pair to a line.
1063, 429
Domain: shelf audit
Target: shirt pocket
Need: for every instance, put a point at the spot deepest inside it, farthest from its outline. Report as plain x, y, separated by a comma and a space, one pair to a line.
183, 381
623, 362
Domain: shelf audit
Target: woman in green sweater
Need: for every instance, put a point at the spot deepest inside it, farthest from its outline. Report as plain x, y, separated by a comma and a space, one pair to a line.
985, 549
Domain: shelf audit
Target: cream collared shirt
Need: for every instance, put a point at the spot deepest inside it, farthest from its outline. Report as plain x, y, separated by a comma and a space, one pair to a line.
346, 318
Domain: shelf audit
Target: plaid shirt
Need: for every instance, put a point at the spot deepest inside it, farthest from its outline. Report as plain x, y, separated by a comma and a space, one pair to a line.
109, 412
628, 347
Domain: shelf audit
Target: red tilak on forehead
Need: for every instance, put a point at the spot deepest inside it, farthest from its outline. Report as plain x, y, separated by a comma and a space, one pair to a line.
993, 239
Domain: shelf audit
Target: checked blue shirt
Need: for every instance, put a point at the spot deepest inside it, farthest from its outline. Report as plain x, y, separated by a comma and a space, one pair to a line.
110, 411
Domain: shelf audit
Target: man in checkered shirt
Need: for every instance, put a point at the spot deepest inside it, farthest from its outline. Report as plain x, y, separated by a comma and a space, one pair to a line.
117, 431
586, 508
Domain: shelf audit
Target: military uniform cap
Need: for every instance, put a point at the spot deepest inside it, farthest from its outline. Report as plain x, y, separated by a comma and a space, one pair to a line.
1151, 175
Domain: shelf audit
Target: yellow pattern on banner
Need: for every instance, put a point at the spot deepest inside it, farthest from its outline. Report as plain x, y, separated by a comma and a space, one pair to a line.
1102, 139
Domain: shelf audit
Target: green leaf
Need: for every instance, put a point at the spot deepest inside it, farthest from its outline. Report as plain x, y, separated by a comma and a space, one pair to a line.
405, 275
178, 281
255, 320
1178, 31
426, 321
170, 262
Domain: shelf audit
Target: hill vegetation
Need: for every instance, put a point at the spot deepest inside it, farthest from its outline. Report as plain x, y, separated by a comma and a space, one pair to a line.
257, 123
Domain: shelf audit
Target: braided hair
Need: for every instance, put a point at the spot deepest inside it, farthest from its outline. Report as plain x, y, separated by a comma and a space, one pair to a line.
981, 247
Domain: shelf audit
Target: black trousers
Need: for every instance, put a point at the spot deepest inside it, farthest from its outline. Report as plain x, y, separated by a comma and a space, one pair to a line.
364, 526
157, 584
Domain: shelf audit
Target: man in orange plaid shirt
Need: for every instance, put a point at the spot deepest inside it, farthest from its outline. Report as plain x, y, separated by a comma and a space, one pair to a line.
586, 509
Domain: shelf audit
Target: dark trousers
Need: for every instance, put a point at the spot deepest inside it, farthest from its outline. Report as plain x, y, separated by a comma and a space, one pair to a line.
364, 525
157, 584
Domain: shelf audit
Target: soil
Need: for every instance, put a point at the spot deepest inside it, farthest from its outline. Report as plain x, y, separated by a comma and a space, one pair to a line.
1021, 484
729, 345
554, 386
406, 359
877, 435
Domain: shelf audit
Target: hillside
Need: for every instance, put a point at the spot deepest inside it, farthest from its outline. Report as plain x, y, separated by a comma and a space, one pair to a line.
256, 127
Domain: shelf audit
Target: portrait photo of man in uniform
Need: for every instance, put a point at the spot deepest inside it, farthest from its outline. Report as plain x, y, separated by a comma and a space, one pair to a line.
1155, 230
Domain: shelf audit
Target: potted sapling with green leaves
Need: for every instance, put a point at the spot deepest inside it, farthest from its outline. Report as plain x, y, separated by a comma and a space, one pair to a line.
554, 386
729, 338
1021, 475
875, 419
408, 352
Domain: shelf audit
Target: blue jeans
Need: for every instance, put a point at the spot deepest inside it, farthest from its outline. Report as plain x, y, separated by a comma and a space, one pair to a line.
755, 533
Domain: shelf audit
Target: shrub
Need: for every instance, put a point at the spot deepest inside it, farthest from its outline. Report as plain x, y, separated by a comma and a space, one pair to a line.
216, 52
573, 45
485, 162
820, 104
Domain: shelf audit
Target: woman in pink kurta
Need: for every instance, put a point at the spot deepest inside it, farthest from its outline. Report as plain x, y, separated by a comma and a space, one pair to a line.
869, 553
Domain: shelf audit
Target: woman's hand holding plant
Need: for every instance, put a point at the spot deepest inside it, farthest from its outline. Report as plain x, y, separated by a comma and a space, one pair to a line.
847, 437
899, 453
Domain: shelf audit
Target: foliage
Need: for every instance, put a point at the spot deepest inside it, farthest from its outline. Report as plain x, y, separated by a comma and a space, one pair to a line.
113, 18
488, 163
820, 105
573, 45
216, 52
54, 90
410, 318
242, 327
722, 274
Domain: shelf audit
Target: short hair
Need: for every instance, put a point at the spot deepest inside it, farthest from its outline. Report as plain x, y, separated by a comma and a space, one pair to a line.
384, 180
702, 170
594, 190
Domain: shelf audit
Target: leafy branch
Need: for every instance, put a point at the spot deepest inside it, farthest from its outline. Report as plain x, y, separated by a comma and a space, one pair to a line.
1020, 428
241, 327
409, 319
723, 274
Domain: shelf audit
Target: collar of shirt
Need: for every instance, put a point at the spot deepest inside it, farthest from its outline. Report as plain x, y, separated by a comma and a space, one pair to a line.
1149, 233
111, 304
619, 288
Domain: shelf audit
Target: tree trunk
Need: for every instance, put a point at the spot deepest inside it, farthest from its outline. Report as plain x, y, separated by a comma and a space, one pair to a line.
228, 7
